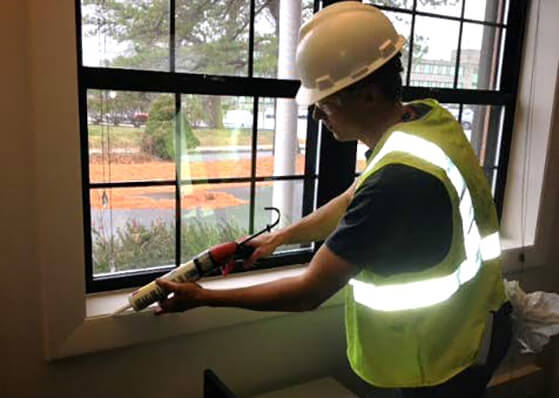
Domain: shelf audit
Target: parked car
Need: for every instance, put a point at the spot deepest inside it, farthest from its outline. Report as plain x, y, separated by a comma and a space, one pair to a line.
94, 118
139, 119
116, 118
467, 118
269, 122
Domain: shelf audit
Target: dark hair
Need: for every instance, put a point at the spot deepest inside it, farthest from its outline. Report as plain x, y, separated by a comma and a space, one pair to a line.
387, 78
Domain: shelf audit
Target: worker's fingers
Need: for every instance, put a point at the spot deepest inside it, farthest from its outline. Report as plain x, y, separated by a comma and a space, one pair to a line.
167, 285
226, 269
249, 263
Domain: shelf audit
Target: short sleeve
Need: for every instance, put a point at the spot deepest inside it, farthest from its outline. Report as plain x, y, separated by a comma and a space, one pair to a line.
400, 220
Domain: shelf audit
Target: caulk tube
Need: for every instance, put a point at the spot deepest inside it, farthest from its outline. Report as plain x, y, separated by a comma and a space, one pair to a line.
187, 272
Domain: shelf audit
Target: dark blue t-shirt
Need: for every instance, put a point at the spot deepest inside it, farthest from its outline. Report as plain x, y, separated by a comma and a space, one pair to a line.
400, 220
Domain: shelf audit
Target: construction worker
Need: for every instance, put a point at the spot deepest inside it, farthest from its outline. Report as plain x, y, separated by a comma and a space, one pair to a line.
414, 241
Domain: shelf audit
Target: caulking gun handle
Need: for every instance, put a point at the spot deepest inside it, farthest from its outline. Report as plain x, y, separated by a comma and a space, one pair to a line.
244, 252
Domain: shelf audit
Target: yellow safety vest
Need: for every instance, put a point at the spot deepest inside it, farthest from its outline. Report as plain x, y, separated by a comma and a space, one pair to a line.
414, 329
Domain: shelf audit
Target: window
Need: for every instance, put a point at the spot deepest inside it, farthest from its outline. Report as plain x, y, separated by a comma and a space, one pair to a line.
188, 131
189, 128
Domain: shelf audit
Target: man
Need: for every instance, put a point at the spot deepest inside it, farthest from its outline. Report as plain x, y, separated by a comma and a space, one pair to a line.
415, 239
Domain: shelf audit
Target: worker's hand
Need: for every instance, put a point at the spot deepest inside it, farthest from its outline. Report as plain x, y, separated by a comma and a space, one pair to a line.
185, 296
264, 246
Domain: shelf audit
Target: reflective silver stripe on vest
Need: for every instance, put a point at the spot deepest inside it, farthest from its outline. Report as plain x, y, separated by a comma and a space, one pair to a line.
427, 292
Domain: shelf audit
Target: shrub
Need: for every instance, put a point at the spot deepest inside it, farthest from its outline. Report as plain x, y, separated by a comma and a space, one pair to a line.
138, 246
159, 135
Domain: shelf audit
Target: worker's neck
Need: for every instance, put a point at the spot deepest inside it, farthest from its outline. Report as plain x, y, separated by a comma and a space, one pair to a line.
379, 120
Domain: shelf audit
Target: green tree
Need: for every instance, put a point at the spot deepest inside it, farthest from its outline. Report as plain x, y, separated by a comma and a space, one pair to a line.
159, 137
211, 37
420, 43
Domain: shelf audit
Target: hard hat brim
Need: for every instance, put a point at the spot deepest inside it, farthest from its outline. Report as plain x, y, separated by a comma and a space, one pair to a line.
308, 96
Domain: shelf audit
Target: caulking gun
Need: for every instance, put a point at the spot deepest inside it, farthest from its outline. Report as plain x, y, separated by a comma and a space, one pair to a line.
224, 255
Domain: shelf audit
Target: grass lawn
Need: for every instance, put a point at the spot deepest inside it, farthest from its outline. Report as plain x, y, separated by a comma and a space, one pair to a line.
224, 137
120, 136
130, 137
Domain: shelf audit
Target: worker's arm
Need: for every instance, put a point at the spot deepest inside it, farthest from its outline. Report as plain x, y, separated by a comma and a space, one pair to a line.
326, 274
314, 227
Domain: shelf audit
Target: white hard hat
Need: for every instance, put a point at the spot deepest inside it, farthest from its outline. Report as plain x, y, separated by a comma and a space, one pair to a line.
340, 45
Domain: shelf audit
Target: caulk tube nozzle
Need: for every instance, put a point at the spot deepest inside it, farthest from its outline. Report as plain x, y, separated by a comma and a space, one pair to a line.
122, 309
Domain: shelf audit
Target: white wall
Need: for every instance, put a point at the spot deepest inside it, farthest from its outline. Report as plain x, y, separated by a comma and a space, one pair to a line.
38, 105
38, 102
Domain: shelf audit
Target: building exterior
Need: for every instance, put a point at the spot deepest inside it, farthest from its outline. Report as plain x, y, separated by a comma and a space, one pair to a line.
440, 72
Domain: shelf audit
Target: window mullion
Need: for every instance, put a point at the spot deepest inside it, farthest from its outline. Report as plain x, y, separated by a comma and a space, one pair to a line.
172, 33
178, 121
178, 159
510, 77
410, 51
311, 148
251, 39
459, 48
254, 154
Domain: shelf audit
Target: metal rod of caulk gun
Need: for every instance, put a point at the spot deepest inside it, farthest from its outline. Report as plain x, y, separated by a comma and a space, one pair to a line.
268, 226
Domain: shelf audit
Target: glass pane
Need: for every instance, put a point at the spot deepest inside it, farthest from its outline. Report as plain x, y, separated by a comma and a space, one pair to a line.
212, 214
402, 23
434, 55
464, 115
447, 7
212, 37
483, 126
269, 42
222, 127
282, 134
132, 228
406, 4
479, 56
287, 196
454, 109
486, 128
131, 136
126, 34
486, 10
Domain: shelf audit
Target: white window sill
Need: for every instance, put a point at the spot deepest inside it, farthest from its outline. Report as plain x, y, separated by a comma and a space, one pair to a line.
102, 331
103, 304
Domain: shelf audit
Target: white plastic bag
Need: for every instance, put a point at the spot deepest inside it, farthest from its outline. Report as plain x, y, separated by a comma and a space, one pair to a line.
535, 316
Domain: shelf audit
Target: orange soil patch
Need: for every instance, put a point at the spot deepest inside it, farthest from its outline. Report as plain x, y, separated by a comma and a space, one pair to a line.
162, 197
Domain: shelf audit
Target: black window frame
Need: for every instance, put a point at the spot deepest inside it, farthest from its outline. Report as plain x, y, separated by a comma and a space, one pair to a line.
322, 180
